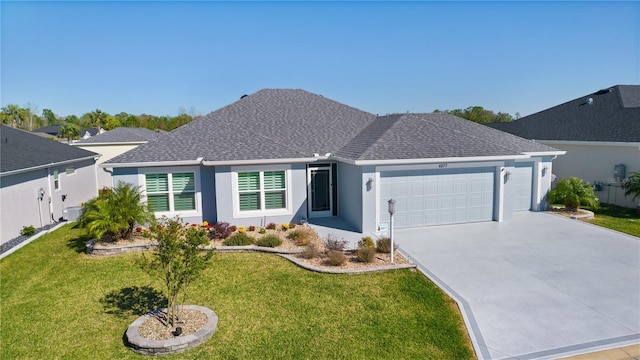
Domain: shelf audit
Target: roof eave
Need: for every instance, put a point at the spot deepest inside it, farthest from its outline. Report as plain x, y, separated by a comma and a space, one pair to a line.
109, 143
33, 168
443, 160
263, 161
197, 161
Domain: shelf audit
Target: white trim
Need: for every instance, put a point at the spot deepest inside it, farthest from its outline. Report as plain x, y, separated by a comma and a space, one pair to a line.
235, 198
591, 143
435, 160
377, 185
545, 153
170, 170
197, 161
260, 162
45, 166
438, 166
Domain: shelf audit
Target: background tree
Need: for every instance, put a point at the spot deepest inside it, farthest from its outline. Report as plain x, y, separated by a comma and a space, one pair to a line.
632, 185
115, 212
573, 192
179, 259
478, 114
49, 117
70, 131
13, 115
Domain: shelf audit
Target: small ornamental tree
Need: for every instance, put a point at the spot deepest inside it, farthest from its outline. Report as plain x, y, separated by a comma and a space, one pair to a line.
573, 192
178, 260
115, 212
632, 185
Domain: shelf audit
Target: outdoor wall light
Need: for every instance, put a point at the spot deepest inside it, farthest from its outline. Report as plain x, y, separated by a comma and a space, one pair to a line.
544, 170
369, 183
507, 175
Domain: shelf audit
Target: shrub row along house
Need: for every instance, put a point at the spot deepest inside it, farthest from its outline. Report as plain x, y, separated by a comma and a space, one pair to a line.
282, 155
599, 131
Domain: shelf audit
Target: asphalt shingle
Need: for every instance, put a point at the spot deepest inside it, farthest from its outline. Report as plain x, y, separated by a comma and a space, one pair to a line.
22, 150
612, 115
123, 135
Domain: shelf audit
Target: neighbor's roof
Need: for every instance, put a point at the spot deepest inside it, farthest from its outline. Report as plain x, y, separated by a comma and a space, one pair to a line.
22, 150
55, 130
425, 136
295, 124
123, 135
612, 115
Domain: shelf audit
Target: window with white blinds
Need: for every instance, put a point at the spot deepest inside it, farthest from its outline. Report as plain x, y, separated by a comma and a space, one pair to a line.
262, 190
171, 191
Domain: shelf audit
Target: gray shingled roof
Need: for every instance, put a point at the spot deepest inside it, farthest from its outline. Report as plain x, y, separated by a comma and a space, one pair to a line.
287, 124
22, 150
269, 124
123, 135
613, 115
424, 136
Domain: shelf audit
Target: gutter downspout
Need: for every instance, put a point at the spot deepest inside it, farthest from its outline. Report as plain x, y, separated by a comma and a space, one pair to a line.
50, 193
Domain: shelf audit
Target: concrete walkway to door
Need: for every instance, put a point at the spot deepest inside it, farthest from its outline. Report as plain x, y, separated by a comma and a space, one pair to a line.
538, 287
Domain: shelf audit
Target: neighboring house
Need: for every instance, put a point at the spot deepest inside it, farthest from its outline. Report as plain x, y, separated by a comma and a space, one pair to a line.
599, 132
39, 178
115, 142
53, 131
288, 155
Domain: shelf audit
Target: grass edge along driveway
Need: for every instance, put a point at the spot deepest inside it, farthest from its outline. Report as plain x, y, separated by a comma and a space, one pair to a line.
57, 302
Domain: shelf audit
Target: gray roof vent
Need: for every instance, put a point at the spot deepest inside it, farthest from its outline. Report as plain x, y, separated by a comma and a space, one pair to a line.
603, 91
589, 101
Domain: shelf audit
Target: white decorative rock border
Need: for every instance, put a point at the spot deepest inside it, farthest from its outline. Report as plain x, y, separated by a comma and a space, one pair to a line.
146, 346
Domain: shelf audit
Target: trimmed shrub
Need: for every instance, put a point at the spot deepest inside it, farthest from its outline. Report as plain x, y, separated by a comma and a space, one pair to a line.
384, 245
301, 237
251, 228
262, 231
220, 231
239, 239
271, 226
366, 241
336, 257
284, 227
27, 230
334, 243
269, 241
310, 251
366, 254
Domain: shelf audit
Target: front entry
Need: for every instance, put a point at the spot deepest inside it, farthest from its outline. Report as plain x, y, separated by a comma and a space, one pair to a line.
320, 191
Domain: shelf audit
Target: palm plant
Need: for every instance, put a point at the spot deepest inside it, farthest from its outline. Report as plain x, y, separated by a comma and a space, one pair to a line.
632, 185
573, 192
115, 212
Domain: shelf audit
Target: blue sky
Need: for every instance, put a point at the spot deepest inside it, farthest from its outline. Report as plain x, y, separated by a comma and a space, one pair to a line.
381, 57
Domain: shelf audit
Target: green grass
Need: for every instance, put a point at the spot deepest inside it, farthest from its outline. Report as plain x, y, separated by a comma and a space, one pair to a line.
617, 218
57, 302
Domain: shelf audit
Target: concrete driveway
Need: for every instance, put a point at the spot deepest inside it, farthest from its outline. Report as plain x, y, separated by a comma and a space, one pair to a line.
538, 287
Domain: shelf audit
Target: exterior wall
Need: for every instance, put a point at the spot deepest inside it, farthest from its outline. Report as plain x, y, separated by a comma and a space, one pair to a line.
225, 197
594, 163
108, 152
350, 194
20, 205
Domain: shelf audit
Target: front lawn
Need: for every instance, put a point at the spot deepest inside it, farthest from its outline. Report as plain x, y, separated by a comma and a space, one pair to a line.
617, 218
57, 302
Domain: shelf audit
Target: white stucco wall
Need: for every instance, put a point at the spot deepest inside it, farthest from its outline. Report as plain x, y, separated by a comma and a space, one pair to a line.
594, 162
20, 206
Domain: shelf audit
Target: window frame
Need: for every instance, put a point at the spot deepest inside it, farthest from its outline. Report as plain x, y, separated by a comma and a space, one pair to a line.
56, 180
263, 211
170, 171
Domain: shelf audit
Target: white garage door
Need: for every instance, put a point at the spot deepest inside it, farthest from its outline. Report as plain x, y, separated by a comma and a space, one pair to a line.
521, 184
434, 197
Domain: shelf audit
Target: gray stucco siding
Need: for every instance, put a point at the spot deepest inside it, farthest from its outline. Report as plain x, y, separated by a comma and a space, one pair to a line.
350, 194
20, 205
227, 206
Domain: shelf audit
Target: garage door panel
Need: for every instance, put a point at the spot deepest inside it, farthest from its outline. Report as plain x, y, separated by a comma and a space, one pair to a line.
432, 197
